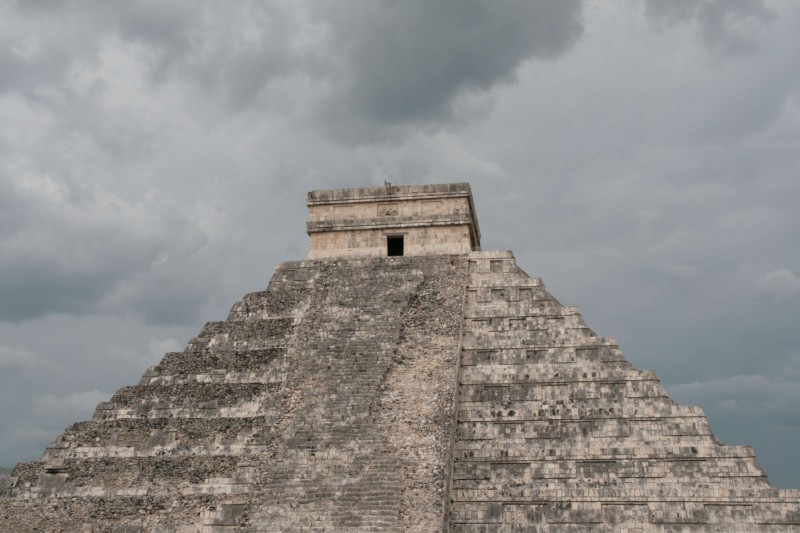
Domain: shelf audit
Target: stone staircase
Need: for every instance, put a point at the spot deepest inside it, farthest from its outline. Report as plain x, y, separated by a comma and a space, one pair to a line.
284, 417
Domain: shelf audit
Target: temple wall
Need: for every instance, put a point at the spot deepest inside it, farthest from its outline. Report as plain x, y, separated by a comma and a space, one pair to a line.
432, 219
372, 242
382, 210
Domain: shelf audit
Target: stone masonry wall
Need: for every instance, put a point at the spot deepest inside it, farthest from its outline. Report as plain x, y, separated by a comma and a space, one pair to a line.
283, 417
176, 452
556, 431
443, 239
433, 219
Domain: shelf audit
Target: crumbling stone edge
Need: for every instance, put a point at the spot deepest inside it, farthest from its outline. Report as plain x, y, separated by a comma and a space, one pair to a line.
454, 415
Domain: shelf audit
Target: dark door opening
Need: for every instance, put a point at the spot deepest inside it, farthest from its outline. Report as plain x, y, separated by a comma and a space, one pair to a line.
394, 245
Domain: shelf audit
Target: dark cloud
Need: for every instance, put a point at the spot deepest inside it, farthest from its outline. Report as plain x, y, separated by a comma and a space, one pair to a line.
387, 79
151, 22
95, 83
357, 55
232, 51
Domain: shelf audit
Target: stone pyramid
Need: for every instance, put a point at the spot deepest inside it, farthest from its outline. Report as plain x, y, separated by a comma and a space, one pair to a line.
399, 379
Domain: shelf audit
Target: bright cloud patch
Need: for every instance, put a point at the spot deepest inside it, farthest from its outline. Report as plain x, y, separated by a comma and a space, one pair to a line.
779, 284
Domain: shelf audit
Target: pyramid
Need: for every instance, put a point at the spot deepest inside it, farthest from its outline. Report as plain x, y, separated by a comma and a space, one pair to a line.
398, 379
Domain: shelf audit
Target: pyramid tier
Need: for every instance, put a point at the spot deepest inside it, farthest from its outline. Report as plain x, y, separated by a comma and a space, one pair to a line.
557, 431
214, 361
303, 407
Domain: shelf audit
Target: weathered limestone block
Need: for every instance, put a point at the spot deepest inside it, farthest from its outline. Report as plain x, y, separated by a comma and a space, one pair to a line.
426, 219
203, 362
289, 415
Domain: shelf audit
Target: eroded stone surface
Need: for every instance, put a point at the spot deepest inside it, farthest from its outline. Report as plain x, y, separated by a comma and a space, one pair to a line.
558, 432
329, 406
415, 409
429, 219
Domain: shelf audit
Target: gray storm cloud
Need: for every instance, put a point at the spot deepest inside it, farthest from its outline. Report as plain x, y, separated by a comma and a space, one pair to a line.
103, 240
389, 79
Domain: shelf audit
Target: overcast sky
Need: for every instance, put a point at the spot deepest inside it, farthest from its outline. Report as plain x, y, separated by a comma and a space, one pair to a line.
642, 157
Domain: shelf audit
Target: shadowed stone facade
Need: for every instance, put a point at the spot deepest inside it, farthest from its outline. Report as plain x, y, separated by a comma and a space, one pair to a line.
443, 389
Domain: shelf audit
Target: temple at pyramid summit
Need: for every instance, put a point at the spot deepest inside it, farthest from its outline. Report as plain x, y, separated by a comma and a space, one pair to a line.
398, 379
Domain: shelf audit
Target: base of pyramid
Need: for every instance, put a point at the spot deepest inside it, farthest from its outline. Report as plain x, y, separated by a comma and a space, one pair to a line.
396, 394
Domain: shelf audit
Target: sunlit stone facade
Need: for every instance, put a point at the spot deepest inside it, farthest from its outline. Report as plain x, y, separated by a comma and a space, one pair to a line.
427, 219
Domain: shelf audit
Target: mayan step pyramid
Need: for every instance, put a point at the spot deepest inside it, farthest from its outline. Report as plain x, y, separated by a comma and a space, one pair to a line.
399, 379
